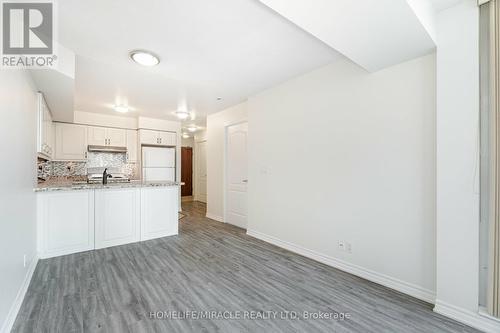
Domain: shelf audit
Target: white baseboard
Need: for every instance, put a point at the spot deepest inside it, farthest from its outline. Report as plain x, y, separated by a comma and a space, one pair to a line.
475, 319
385, 280
215, 217
200, 199
18, 301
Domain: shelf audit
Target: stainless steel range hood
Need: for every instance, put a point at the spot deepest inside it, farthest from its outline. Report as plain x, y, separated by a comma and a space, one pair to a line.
107, 149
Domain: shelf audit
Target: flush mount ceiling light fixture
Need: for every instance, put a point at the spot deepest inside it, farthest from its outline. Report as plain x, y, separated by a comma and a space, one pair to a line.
192, 128
182, 115
121, 108
144, 58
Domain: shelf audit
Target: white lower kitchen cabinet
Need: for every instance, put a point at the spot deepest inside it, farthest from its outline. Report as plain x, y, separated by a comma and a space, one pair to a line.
159, 212
65, 222
75, 220
117, 217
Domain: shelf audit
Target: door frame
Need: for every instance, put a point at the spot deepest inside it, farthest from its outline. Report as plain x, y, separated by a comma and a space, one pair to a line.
192, 168
196, 194
225, 181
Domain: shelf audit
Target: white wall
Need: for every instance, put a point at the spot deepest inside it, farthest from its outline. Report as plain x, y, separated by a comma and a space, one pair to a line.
17, 199
425, 12
457, 272
189, 142
88, 118
216, 127
341, 154
457, 157
199, 137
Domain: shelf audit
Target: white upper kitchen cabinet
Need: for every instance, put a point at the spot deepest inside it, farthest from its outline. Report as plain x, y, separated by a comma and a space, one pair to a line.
50, 135
65, 222
102, 136
160, 138
117, 137
96, 136
71, 142
45, 135
117, 217
168, 138
132, 147
148, 137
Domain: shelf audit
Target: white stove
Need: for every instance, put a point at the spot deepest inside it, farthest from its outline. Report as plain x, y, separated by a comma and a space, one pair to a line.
94, 175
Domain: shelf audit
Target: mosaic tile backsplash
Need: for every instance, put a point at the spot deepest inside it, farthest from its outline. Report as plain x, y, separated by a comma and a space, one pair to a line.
48, 169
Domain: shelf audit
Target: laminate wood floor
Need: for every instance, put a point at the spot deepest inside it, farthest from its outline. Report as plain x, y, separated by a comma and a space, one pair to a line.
214, 267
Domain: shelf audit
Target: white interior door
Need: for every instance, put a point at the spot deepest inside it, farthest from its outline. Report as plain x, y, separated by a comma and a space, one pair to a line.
236, 175
201, 171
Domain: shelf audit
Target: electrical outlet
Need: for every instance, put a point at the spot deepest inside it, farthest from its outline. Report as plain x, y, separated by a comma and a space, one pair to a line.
341, 245
24, 260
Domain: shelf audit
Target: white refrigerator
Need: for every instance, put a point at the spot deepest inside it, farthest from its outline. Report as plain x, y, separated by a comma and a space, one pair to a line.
158, 164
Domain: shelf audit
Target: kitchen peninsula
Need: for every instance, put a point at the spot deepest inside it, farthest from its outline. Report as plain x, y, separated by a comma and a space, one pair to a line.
75, 217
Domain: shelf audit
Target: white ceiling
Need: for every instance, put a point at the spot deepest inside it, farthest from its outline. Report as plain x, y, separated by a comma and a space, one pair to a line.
208, 49
440, 5
58, 90
373, 34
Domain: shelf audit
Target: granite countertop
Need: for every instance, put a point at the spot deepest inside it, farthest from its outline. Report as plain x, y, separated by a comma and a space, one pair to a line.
71, 185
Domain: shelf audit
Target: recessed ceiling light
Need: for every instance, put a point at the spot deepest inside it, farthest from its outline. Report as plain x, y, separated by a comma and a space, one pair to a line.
182, 115
192, 128
144, 58
121, 108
